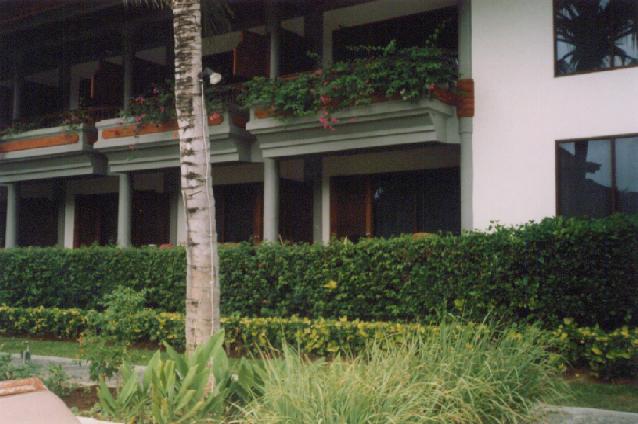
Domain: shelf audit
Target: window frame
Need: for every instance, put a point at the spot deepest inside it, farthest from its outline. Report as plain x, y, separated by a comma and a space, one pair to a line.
555, 58
612, 146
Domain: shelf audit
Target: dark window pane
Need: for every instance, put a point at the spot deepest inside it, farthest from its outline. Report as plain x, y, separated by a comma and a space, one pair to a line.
625, 32
151, 218
627, 174
394, 200
439, 201
585, 178
236, 206
583, 33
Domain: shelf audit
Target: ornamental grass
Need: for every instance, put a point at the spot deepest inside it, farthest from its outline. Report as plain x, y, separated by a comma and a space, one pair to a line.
458, 374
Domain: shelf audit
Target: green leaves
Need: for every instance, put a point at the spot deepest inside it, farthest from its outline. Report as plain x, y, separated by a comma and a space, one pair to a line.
387, 72
180, 388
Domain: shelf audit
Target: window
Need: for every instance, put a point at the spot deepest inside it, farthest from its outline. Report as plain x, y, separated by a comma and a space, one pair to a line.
594, 35
598, 177
386, 205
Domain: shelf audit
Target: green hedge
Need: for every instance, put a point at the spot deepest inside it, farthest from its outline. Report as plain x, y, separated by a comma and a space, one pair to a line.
608, 354
584, 269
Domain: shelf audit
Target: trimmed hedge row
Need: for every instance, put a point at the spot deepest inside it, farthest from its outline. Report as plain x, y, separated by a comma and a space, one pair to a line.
608, 354
547, 271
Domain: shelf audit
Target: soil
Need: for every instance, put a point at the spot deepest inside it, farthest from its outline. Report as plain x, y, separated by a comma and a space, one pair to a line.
82, 398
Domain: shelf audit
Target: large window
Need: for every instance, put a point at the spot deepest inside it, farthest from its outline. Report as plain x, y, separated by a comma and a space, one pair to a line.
594, 35
386, 205
598, 177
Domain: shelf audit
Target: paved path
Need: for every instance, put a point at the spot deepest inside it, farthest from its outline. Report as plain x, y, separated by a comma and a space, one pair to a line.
77, 370
79, 374
569, 415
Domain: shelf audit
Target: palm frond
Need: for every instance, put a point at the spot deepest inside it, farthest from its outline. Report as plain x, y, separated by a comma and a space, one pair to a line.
216, 14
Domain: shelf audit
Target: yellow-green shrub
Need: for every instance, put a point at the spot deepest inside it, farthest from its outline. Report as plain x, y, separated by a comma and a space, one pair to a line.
609, 354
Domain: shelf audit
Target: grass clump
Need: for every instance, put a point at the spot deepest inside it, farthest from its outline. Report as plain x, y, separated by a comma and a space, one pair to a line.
455, 373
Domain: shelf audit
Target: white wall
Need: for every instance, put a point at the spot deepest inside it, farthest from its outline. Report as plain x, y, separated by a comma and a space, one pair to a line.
521, 109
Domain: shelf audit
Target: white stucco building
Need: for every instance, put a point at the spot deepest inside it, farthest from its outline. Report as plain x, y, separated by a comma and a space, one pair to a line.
542, 123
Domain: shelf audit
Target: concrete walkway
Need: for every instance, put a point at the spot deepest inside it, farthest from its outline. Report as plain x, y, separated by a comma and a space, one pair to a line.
77, 370
570, 415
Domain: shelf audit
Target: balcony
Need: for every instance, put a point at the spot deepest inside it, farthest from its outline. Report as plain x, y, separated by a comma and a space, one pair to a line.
381, 124
59, 146
130, 146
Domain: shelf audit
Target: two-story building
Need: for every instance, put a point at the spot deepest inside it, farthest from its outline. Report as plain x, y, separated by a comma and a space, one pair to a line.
541, 121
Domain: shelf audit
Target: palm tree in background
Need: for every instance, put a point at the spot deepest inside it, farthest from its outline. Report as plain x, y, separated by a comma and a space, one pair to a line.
594, 34
202, 274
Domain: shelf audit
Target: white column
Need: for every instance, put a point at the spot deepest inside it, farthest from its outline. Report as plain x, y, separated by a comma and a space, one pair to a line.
124, 208
325, 209
128, 63
271, 200
465, 124
13, 212
317, 215
274, 28
69, 218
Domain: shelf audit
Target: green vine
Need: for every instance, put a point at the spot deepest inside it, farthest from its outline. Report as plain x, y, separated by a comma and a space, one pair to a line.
388, 73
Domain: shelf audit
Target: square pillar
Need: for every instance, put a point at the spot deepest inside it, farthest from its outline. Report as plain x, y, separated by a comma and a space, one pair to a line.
69, 218
325, 209
124, 211
273, 26
465, 123
271, 200
13, 212
17, 83
128, 63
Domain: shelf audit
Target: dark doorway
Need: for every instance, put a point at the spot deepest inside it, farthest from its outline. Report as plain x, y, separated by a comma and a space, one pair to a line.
38, 222
295, 211
95, 219
151, 218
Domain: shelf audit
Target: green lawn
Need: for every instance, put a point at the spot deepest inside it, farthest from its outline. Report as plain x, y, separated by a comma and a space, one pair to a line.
67, 349
585, 392
592, 394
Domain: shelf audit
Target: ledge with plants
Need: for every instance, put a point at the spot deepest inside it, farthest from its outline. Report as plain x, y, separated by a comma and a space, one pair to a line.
53, 146
61, 129
150, 124
393, 95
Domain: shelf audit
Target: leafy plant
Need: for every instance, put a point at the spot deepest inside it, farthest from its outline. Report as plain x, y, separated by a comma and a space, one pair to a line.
389, 72
457, 374
106, 342
10, 371
57, 380
180, 388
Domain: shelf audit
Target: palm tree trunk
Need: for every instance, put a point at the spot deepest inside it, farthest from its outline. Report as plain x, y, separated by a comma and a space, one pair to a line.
202, 283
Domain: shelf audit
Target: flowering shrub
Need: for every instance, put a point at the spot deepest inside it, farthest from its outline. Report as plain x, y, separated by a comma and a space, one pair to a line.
70, 119
158, 106
389, 72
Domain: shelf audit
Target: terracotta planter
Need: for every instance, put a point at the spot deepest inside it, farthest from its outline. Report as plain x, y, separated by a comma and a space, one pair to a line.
132, 130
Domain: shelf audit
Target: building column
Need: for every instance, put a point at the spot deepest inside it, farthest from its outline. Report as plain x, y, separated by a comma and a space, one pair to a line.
124, 211
271, 200
13, 212
273, 26
325, 209
465, 124
69, 218
128, 63
17, 83
313, 32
